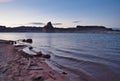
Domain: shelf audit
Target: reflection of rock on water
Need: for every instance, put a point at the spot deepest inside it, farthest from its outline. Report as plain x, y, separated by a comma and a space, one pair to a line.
29, 36
49, 40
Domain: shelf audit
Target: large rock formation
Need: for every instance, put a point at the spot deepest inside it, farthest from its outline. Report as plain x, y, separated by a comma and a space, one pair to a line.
93, 29
48, 28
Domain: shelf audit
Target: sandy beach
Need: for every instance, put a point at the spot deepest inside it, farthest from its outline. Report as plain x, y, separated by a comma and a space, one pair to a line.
14, 66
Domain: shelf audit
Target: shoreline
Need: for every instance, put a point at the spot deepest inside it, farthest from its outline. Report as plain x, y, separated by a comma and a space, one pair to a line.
14, 66
113, 32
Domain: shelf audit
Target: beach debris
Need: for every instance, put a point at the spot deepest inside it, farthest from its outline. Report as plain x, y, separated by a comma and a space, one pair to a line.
15, 42
20, 45
27, 40
46, 56
30, 51
30, 48
52, 73
51, 76
35, 68
33, 63
64, 73
39, 78
5, 69
10, 42
39, 53
23, 40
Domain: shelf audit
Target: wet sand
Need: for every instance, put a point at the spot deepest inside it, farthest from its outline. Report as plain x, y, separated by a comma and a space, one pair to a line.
14, 66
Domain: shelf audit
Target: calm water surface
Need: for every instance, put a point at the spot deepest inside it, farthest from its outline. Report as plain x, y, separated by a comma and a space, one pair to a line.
85, 57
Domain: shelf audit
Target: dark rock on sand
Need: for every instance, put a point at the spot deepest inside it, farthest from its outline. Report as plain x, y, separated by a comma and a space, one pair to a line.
39, 53
30, 48
40, 78
46, 56
23, 40
64, 73
27, 40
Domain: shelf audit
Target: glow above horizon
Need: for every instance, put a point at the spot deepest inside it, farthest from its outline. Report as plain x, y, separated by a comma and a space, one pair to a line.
67, 12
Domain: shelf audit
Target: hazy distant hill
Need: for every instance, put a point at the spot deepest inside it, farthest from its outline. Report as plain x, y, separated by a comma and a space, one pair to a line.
20, 29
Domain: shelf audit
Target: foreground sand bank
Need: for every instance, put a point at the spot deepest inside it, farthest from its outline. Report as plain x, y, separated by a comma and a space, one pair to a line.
14, 67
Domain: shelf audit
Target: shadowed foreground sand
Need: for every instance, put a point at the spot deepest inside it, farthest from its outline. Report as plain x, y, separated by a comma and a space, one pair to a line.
14, 67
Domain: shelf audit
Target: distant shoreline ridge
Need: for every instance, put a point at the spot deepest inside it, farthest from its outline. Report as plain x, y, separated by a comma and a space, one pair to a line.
50, 29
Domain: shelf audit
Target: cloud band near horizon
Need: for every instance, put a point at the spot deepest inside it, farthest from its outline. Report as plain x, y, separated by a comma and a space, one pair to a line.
41, 23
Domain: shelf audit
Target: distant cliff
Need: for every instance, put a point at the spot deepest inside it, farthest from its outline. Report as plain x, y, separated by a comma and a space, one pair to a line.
20, 29
93, 29
48, 28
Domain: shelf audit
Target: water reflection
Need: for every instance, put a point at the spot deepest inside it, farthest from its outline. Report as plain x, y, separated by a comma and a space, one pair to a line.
49, 40
8, 36
29, 36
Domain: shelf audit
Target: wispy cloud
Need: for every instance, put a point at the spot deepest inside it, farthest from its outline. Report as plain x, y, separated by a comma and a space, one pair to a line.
57, 23
40, 23
3, 1
76, 21
37, 23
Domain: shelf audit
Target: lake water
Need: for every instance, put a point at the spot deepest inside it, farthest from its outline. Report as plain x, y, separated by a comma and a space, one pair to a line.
85, 57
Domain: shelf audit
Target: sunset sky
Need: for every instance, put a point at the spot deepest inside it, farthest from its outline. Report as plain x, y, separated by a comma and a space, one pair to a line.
62, 13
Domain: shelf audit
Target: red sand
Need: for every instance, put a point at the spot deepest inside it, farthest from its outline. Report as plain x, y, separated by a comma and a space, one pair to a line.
14, 67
